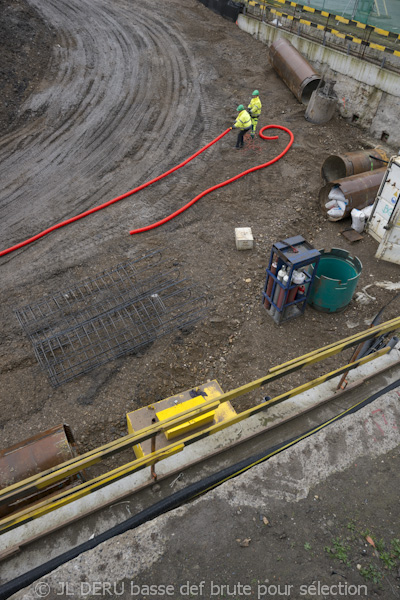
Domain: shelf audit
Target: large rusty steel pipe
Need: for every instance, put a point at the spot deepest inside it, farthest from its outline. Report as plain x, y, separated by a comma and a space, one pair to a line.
339, 166
294, 69
359, 191
34, 455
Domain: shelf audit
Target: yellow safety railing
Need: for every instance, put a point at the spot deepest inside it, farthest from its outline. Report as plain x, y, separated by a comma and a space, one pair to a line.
42, 480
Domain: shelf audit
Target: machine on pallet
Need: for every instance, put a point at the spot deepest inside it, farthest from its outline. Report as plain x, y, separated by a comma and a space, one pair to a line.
289, 278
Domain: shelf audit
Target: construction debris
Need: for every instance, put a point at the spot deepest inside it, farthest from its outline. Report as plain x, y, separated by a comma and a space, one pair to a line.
244, 238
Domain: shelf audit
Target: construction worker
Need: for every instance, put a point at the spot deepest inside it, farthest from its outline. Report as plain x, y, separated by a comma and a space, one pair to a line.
255, 111
243, 123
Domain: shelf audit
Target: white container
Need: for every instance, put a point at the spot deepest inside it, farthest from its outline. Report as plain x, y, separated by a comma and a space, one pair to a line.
244, 238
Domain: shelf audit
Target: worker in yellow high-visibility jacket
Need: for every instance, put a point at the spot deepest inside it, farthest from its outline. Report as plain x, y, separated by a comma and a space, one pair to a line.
255, 111
243, 123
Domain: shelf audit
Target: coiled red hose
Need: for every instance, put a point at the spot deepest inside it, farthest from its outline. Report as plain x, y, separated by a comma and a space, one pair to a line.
148, 183
101, 206
227, 182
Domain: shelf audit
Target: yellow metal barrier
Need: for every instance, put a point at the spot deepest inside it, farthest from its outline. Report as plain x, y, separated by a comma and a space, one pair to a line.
83, 489
70, 467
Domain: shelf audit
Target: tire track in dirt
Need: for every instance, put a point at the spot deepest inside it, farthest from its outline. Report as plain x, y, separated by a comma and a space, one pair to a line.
101, 104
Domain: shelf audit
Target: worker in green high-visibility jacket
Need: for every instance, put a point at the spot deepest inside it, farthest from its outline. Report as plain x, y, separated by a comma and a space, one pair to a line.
255, 111
243, 123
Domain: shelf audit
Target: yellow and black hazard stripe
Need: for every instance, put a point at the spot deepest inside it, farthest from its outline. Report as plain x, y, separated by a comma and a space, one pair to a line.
332, 30
339, 34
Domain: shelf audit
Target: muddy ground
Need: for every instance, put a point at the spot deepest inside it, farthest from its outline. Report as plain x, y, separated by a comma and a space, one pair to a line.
99, 99
115, 96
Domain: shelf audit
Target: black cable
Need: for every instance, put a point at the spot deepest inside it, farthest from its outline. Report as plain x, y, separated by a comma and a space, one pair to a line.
189, 493
380, 159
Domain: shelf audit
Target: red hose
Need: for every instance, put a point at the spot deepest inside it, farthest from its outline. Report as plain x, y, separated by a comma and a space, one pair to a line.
223, 183
96, 208
148, 183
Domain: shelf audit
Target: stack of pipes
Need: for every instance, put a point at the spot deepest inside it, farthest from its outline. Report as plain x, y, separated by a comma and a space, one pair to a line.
352, 181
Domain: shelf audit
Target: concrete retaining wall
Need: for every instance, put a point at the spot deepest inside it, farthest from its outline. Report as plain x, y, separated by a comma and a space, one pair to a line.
368, 94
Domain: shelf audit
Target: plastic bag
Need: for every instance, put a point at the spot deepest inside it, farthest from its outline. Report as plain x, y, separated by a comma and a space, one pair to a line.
337, 211
358, 220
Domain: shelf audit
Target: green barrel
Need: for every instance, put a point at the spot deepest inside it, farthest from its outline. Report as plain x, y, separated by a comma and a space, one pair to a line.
335, 280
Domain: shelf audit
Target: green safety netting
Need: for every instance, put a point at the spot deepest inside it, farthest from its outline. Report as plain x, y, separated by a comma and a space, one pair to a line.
384, 14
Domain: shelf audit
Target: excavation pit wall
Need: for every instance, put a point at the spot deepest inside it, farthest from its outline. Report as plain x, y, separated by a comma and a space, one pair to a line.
368, 94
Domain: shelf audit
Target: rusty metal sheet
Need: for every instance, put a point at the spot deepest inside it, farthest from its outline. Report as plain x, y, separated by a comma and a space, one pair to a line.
352, 235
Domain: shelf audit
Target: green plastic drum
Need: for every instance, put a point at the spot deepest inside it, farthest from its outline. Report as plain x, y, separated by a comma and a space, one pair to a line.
335, 280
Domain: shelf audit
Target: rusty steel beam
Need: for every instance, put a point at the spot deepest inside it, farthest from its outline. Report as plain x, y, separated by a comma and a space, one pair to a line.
339, 166
294, 69
359, 190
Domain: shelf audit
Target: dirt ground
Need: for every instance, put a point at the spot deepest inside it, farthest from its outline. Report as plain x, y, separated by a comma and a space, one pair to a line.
98, 99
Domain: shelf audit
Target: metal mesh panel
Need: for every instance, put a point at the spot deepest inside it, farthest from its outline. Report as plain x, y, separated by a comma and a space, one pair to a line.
103, 318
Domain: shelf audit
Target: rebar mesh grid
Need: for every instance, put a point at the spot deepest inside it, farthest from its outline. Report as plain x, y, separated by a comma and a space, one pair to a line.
115, 313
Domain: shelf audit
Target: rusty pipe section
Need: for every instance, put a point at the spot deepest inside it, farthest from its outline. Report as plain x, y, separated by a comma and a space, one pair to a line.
34, 455
359, 191
339, 166
293, 68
